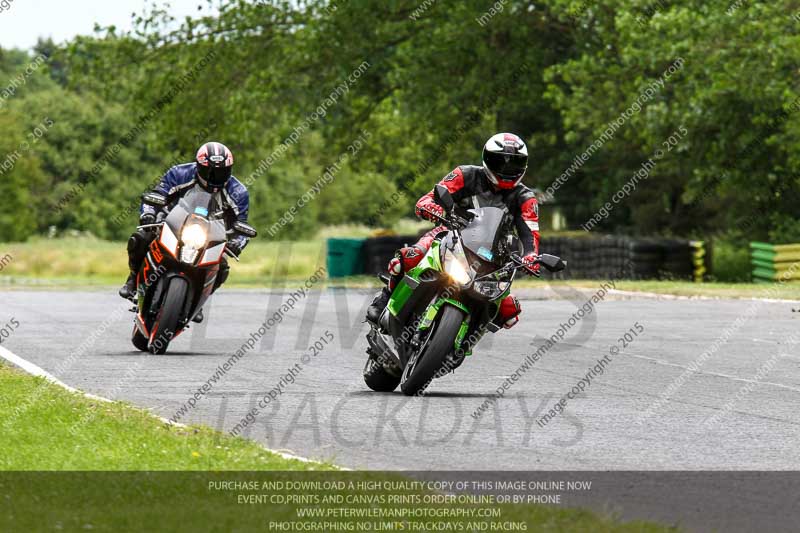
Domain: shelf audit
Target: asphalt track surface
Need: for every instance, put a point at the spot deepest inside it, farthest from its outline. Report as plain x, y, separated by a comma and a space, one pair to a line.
736, 411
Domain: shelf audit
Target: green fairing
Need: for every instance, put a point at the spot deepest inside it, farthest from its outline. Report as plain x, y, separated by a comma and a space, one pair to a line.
433, 310
462, 332
403, 291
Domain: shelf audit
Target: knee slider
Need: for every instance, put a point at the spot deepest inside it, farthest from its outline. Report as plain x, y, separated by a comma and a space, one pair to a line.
395, 268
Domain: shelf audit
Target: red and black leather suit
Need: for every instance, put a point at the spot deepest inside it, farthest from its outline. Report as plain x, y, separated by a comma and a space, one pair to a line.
471, 189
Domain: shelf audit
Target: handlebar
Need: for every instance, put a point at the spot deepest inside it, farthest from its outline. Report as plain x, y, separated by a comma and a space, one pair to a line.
453, 221
521, 264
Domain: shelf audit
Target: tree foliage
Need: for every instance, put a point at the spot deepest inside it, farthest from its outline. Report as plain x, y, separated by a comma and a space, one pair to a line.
438, 82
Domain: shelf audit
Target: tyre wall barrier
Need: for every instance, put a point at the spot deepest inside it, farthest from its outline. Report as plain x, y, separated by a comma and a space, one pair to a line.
775, 262
587, 257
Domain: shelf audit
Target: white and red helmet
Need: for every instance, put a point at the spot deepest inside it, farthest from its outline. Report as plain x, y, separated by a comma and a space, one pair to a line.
505, 159
214, 165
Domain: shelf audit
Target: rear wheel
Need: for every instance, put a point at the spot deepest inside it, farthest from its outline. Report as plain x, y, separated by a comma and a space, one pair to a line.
377, 377
139, 340
169, 316
424, 365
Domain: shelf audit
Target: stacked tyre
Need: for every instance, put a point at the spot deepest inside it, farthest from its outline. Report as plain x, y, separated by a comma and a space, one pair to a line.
378, 251
646, 257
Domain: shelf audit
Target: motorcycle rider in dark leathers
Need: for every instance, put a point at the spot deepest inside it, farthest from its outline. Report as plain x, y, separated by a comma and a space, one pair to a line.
497, 183
212, 171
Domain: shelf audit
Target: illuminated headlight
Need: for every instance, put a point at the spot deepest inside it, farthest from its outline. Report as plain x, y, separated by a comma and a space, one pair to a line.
194, 239
457, 268
188, 255
194, 236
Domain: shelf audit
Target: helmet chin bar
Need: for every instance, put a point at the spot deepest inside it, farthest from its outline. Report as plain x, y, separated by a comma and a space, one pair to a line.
497, 183
207, 186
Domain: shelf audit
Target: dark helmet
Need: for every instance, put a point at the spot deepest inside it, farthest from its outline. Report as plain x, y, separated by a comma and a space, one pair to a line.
505, 158
214, 163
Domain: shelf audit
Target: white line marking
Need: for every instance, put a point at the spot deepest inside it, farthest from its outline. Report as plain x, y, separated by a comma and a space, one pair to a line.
660, 296
35, 370
714, 374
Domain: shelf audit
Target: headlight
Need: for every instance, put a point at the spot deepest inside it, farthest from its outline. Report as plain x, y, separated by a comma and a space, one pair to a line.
194, 236
457, 268
188, 254
491, 289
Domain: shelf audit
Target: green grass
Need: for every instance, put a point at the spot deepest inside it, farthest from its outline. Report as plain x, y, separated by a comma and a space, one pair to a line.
36, 418
85, 262
91, 261
125, 470
787, 291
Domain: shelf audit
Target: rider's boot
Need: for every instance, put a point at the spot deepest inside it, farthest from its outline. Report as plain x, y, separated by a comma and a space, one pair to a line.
198, 318
128, 291
375, 310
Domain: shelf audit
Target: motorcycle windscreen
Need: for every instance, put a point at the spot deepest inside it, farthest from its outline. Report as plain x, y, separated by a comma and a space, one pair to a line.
199, 202
483, 232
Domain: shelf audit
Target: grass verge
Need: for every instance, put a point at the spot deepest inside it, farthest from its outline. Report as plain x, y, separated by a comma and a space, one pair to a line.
45, 427
80, 262
82, 492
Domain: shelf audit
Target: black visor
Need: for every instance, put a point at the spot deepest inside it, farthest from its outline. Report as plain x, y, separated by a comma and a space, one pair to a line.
504, 165
214, 176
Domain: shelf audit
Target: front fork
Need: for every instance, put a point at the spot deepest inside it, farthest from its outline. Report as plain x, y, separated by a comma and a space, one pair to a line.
460, 350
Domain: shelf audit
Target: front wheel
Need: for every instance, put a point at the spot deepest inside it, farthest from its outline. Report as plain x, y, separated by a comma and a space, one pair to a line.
166, 325
423, 365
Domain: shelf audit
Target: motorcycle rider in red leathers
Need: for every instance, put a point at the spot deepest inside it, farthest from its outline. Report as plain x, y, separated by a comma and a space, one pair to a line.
497, 183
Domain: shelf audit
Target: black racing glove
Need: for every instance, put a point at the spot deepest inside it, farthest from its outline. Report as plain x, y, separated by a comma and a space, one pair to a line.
234, 247
147, 218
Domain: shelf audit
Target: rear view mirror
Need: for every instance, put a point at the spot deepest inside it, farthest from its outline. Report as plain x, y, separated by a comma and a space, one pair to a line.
245, 229
443, 197
154, 199
552, 263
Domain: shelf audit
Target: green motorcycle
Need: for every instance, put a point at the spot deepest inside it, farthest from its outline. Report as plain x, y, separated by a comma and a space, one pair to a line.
443, 306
